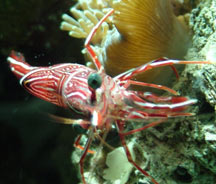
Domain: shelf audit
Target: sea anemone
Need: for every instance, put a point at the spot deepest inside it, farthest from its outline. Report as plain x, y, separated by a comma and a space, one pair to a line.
138, 32
148, 30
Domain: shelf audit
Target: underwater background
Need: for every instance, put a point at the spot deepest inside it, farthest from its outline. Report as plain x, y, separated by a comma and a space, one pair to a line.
36, 150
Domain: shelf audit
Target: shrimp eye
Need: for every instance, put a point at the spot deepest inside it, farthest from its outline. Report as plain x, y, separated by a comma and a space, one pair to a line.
94, 80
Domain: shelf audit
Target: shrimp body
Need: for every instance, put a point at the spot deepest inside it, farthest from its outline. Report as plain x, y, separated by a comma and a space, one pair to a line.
102, 99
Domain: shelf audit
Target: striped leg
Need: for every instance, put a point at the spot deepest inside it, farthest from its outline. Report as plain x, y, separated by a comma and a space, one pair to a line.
175, 107
89, 38
154, 64
77, 145
86, 148
161, 99
83, 123
178, 103
120, 126
156, 86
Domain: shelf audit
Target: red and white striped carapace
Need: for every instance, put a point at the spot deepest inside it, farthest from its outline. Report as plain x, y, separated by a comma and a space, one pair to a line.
104, 99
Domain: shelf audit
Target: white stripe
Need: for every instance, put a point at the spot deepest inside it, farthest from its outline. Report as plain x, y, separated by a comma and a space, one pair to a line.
61, 65
44, 77
172, 106
31, 72
17, 72
138, 114
13, 61
68, 79
81, 79
95, 119
124, 73
76, 94
46, 88
165, 62
143, 67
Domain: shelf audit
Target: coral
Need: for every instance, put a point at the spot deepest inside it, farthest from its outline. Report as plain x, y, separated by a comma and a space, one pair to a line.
86, 15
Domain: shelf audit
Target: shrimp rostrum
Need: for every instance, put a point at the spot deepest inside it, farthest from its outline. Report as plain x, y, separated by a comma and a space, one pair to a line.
103, 99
